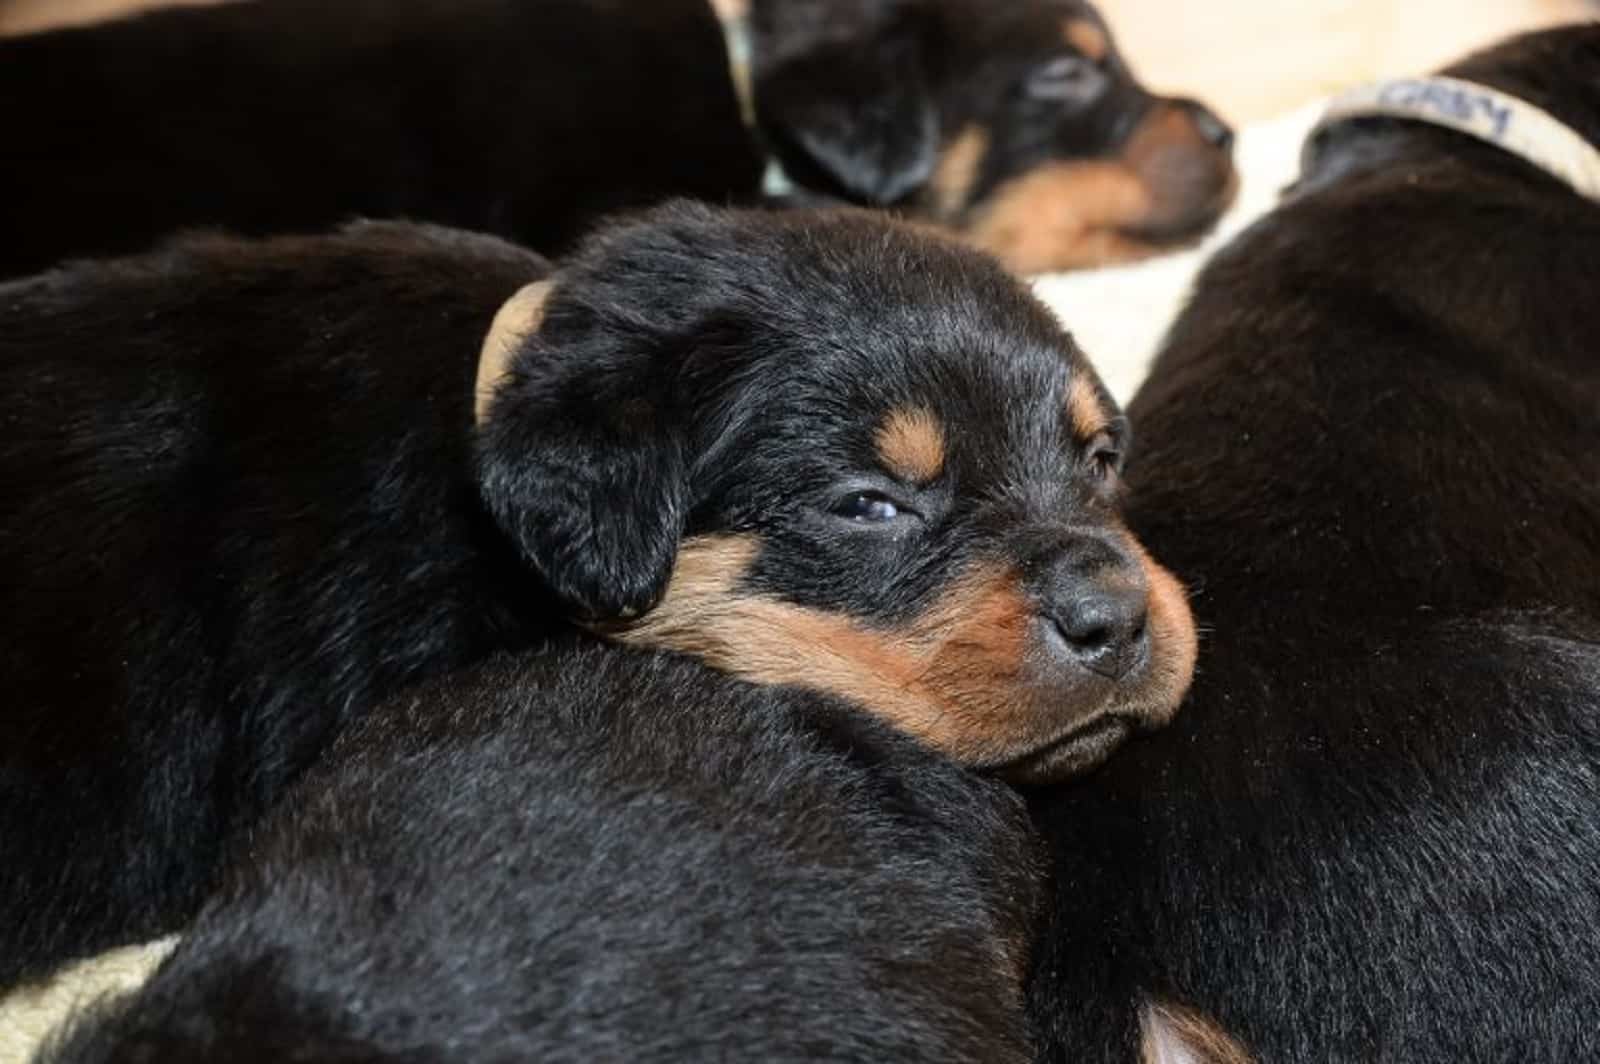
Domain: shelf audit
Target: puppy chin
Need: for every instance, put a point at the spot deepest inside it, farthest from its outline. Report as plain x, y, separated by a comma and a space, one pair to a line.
1079, 751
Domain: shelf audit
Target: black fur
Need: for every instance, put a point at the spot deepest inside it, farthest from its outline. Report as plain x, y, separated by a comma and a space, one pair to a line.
527, 120
600, 854
1372, 445
246, 501
531, 119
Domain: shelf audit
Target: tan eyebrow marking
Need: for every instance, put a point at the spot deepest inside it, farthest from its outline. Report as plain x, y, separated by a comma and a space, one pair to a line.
911, 444
1085, 409
1087, 38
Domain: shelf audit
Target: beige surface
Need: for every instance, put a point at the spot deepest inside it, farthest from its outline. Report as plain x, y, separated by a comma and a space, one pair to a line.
1252, 59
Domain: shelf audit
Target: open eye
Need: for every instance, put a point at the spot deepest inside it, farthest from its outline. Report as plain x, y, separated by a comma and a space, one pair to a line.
869, 508
1105, 455
1067, 77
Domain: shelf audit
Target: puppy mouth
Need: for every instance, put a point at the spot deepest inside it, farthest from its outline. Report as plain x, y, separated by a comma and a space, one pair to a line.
1072, 754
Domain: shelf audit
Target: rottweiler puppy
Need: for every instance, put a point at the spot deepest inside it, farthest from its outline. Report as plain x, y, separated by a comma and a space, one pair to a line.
255, 487
597, 853
1373, 444
1017, 123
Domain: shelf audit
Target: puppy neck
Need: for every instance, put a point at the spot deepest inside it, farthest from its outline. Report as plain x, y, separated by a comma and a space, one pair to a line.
775, 181
517, 319
1508, 122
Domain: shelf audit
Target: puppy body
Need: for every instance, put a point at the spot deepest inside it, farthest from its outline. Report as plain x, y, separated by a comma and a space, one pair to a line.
531, 120
230, 524
259, 486
593, 853
525, 120
1371, 442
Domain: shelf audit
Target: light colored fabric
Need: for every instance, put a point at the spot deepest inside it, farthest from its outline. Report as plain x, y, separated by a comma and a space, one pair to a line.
1120, 314
1508, 122
30, 1013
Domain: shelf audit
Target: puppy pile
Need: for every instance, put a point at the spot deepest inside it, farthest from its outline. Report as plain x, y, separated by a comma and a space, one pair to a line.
721, 641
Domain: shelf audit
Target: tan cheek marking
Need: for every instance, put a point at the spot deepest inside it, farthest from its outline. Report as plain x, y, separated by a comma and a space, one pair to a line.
1064, 216
1084, 408
1172, 1034
517, 319
950, 188
1174, 646
1090, 40
950, 677
911, 444
1071, 214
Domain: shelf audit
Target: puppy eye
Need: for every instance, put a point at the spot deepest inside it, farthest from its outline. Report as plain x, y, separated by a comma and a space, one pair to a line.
1068, 77
869, 508
1105, 455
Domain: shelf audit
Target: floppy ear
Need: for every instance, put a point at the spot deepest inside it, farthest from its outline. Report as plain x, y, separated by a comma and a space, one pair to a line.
579, 462
851, 116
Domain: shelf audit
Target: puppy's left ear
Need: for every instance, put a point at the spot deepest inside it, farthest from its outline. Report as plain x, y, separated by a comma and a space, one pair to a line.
578, 461
855, 116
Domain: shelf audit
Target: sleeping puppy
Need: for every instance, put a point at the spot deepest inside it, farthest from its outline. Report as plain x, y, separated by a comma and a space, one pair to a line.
1016, 123
595, 853
257, 487
1372, 442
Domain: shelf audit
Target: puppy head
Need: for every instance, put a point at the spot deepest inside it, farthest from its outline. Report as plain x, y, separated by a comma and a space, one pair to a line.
1015, 122
820, 449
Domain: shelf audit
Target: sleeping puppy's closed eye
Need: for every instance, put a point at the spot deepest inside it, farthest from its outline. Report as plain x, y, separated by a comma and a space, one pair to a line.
261, 486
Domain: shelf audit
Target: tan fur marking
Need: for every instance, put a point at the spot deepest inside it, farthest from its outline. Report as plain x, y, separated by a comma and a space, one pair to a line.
1172, 1034
951, 677
518, 318
1087, 412
1071, 214
957, 676
1089, 39
911, 445
950, 188
1063, 216
1174, 646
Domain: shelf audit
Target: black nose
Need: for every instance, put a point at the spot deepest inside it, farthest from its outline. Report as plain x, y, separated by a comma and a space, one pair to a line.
1103, 628
1095, 602
1213, 129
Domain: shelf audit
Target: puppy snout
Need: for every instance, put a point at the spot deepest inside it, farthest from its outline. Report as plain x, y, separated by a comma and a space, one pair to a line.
1095, 603
1213, 130
1102, 628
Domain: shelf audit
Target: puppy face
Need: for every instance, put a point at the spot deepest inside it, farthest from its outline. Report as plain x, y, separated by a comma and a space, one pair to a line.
1015, 122
822, 450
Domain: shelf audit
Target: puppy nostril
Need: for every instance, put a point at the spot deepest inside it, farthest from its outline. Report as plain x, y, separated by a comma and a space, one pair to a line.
1104, 633
1086, 639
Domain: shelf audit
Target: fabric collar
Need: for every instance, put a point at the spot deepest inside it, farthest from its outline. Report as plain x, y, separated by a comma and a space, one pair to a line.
1509, 123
